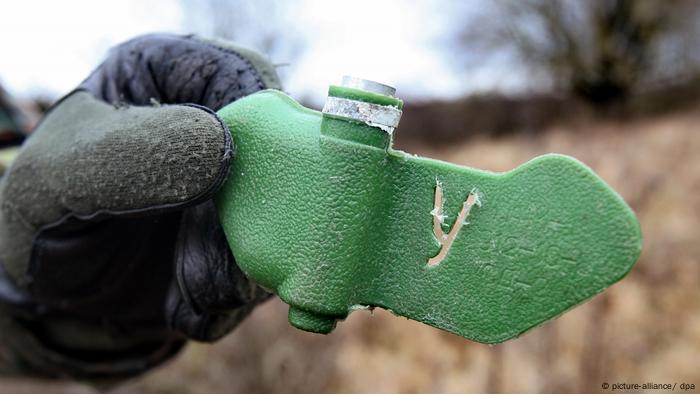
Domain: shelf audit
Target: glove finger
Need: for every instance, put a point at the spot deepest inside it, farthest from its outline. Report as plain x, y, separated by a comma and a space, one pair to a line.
89, 161
212, 292
180, 69
204, 327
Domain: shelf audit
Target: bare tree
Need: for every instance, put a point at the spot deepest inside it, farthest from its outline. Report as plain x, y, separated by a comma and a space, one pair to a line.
600, 50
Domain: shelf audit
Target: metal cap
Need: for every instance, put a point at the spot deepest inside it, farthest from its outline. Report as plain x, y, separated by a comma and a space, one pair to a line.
367, 85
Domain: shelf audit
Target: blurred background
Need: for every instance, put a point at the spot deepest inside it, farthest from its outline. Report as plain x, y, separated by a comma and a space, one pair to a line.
615, 83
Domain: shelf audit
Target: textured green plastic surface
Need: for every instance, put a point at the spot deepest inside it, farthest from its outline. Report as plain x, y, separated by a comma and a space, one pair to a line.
325, 214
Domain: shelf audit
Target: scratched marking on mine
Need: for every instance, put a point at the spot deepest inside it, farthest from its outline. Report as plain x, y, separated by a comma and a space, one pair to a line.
446, 239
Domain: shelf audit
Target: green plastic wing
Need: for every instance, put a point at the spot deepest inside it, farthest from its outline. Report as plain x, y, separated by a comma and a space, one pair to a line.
325, 214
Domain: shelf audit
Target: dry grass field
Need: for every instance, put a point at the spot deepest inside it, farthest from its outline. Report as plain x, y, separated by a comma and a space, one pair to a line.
644, 329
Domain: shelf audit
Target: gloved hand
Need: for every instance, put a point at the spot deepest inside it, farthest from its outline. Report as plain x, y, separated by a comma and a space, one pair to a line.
110, 246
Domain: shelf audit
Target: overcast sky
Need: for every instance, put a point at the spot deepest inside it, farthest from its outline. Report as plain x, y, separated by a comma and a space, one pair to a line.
48, 47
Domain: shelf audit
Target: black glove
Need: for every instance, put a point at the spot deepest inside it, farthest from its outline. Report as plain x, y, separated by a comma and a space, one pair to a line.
111, 252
